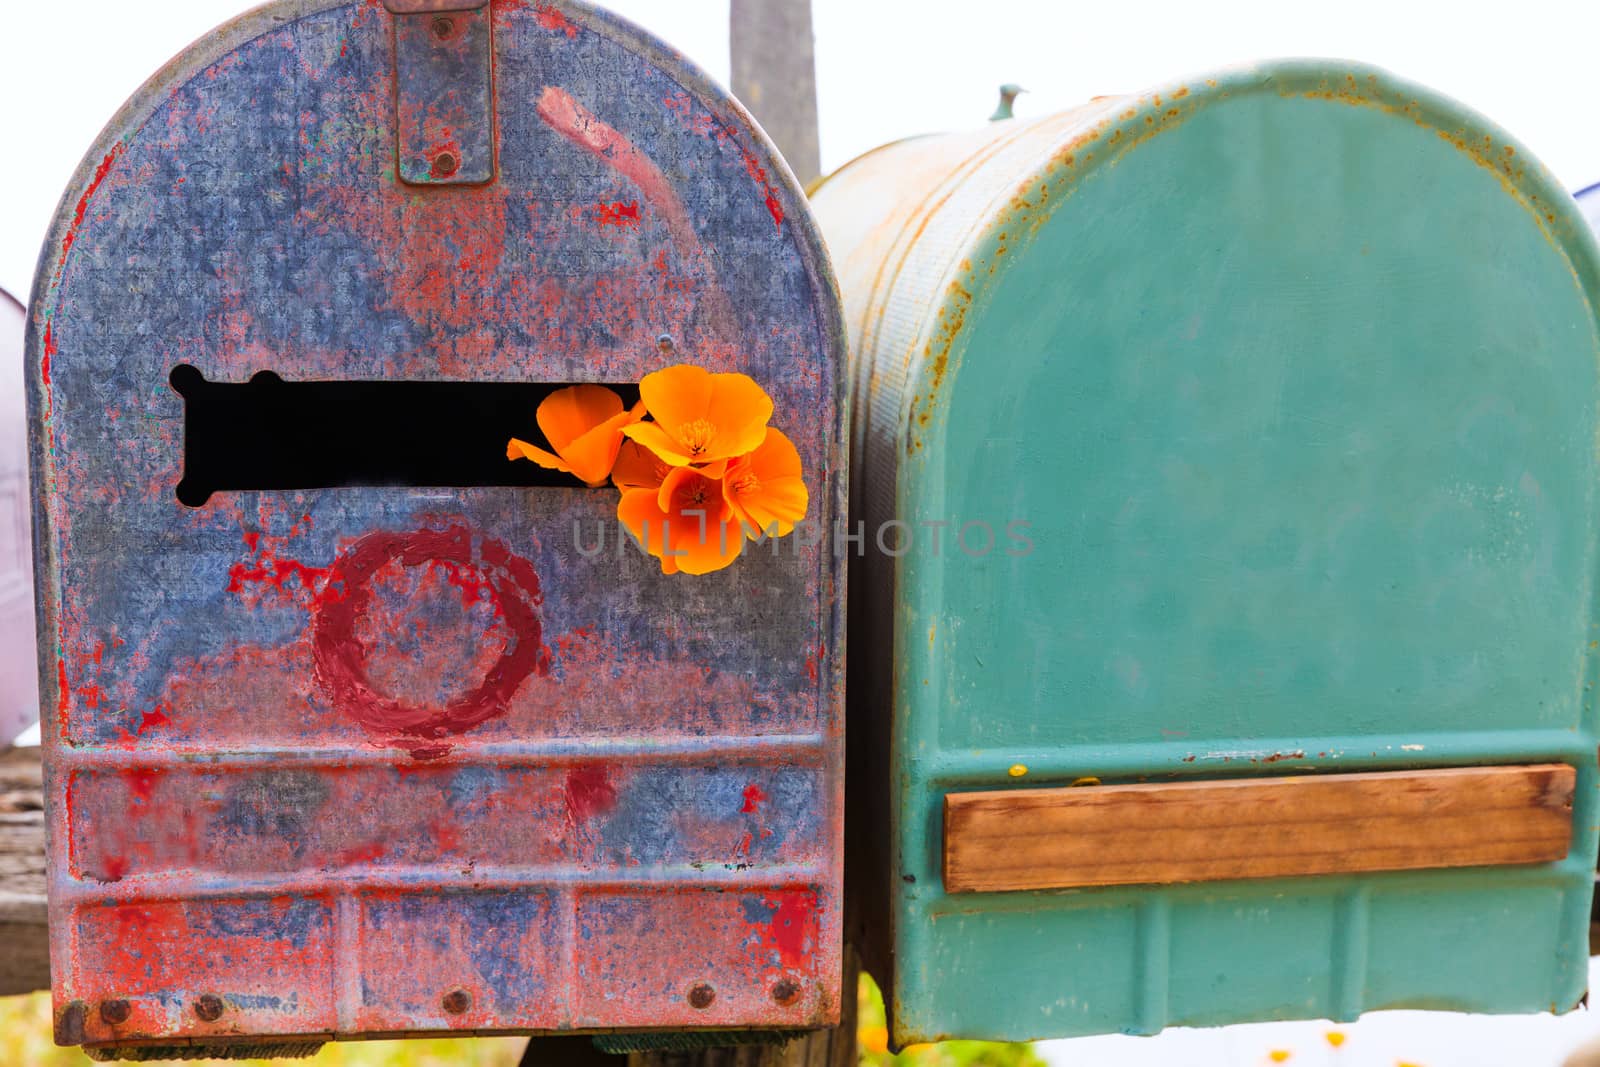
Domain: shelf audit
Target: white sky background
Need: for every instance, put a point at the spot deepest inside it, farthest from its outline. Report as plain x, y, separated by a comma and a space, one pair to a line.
887, 68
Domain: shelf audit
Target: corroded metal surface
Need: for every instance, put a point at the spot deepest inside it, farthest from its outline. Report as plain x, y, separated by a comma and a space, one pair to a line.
377, 760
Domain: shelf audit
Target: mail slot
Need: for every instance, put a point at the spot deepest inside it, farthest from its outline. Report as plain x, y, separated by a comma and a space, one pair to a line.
1232, 654
356, 726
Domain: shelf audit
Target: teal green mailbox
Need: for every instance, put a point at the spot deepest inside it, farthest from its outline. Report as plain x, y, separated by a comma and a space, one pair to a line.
1224, 641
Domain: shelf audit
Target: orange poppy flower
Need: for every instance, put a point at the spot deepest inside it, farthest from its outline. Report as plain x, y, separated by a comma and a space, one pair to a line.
765, 489
584, 424
685, 523
638, 468
701, 417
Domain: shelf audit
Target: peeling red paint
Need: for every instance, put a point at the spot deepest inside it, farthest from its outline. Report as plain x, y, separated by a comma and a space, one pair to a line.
707, 126
141, 783
753, 799
589, 793
792, 925
619, 214
306, 585
49, 352
555, 21
156, 716
368, 853
577, 124
82, 209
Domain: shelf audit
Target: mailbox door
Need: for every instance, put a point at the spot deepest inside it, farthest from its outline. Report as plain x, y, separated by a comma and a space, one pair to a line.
331, 757
1254, 678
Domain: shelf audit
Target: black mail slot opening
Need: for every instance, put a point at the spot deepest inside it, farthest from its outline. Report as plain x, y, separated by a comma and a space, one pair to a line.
272, 434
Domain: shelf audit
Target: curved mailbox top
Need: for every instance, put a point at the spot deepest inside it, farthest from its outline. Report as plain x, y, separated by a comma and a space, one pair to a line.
1267, 404
375, 731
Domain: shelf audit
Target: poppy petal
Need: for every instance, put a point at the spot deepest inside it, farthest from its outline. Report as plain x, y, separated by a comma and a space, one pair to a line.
695, 554
637, 468
523, 450
740, 410
781, 503
776, 458
594, 454
639, 515
677, 395
567, 414
651, 436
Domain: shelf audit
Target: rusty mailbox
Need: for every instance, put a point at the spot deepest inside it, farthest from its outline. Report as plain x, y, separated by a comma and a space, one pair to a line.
353, 726
1254, 678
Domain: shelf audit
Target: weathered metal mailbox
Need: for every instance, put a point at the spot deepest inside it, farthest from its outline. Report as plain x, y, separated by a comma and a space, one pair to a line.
354, 726
1241, 442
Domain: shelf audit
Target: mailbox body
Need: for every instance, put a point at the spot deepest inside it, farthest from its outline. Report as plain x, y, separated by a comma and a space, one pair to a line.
329, 762
1288, 378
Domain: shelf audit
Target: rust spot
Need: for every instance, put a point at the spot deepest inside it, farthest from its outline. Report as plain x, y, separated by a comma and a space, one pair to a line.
456, 1002
69, 1024
116, 1011
209, 1007
786, 992
445, 164
702, 997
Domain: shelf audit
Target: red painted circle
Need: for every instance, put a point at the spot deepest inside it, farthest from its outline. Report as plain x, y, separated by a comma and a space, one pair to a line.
340, 658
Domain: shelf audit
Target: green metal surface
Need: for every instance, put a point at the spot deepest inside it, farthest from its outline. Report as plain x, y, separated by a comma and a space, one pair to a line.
1293, 375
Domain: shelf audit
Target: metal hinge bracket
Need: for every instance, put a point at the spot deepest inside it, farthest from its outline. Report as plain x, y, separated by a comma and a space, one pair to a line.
444, 91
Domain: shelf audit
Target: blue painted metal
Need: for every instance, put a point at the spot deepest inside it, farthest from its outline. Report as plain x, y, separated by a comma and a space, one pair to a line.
338, 762
1291, 378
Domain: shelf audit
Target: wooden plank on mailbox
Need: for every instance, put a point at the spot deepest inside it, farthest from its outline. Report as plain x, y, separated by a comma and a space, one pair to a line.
1215, 831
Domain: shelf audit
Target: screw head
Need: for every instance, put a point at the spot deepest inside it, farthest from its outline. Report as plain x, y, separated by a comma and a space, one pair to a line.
445, 164
457, 1002
444, 27
702, 997
786, 992
209, 1007
115, 1011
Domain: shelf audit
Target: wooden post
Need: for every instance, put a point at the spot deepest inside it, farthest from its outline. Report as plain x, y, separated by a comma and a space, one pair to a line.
775, 76
25, 963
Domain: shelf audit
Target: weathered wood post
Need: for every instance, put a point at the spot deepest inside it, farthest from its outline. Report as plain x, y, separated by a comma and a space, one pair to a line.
775, 76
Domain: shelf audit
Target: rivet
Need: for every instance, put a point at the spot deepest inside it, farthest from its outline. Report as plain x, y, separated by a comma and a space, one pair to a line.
445, 164
209, 1007
457, 1001
702, 996
786, 992
115, 1011
1018, 770
443, 27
